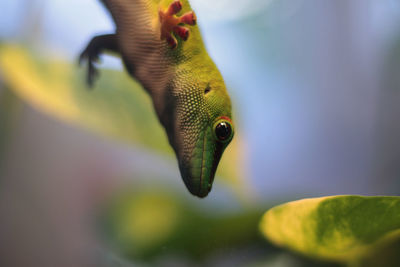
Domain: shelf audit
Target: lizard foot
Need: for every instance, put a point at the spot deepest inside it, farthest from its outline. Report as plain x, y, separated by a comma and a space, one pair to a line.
170, 23
91, 54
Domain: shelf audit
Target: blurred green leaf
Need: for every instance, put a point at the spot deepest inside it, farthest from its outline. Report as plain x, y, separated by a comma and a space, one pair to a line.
338, 228
10, 108
386, 252
117, 106
149, 224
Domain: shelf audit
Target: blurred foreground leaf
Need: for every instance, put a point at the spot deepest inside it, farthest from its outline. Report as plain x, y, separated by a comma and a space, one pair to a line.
386, 252
117, 106
10, 109
339, 228
148, 225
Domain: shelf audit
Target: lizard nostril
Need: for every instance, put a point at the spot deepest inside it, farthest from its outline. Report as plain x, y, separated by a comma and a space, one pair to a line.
207, 90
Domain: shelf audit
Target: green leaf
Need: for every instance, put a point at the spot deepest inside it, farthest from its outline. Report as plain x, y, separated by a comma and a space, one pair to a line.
337, 228
146, 224
117, 106
386, 252
10, 110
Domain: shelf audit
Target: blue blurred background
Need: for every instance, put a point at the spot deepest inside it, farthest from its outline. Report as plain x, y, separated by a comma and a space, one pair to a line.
316, 92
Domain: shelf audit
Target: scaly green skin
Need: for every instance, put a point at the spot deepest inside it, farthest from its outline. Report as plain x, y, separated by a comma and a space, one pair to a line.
188, 91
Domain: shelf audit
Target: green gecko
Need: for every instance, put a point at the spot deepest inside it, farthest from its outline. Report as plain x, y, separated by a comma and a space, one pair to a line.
161, 47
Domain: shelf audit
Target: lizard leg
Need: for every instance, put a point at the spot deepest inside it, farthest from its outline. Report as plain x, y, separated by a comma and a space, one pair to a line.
96, 46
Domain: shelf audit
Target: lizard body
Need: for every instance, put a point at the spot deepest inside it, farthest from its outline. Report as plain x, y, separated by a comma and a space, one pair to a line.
173, 66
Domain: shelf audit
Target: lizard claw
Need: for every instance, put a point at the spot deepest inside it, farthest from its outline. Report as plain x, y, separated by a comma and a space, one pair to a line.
189, 18
174, 8
170, 23
91, 55
92, 74
182, 32
171, 40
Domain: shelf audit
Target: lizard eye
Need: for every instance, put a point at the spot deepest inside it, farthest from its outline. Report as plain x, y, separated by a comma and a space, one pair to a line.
223, 130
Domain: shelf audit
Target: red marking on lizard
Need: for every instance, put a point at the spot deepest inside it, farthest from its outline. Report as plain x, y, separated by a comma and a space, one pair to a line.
225, 118
170, 23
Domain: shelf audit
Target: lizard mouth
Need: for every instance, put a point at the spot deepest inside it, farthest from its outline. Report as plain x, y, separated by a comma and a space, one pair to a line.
199, 172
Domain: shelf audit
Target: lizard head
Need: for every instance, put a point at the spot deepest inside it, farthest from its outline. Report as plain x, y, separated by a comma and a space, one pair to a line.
202, 127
